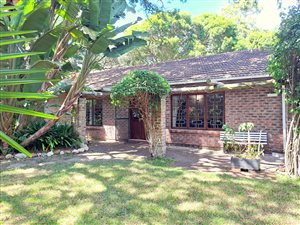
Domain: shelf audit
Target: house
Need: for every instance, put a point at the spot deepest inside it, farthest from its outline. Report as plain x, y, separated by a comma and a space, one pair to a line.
206, 92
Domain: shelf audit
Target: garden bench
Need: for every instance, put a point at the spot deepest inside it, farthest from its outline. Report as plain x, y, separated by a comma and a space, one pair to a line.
244, 138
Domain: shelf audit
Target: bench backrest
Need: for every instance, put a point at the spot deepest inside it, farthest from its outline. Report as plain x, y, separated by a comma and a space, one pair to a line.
242, 137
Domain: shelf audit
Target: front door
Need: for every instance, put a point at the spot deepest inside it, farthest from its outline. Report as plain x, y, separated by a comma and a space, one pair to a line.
137, 130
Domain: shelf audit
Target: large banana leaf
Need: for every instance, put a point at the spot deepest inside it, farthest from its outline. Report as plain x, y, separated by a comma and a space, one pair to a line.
11, 82
102, 42
71, 51
105, 13
38, 19
6, 8
42, 64
13, 41
8, 72
12, 109
46, 41
14, 33
14, 144
34, 20
10, 13
6, 56
69, 11
31, 95
125, 47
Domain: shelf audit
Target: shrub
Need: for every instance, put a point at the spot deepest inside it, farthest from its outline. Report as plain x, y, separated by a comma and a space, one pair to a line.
60, 135
245, 150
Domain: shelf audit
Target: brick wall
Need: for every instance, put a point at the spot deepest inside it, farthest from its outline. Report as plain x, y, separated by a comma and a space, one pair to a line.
81, 118
253, 105
244, 105
122, 123
107, 130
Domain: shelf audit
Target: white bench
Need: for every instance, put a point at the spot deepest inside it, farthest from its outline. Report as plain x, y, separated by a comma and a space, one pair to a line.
244, 138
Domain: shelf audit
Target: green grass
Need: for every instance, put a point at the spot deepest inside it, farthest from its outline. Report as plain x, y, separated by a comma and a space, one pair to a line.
147, 192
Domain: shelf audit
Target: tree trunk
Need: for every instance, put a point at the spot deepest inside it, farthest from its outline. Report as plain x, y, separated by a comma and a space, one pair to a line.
71, 98
292, 149
153, 127
65, 108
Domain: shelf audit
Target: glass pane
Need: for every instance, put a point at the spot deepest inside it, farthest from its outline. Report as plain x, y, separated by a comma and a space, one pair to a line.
98, 112
196, 111
179, 111
89, 118
215, 114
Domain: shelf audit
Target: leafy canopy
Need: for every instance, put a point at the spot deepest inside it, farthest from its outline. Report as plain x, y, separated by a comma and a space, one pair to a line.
137, 82
284, 64
178, 35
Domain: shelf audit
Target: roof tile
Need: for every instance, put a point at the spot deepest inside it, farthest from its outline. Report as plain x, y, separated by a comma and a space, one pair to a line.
221, 66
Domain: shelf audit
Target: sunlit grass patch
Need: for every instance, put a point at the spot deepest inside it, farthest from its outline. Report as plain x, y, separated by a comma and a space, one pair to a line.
147, 192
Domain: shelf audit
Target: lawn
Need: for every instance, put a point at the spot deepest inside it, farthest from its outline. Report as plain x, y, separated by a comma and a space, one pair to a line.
147, 192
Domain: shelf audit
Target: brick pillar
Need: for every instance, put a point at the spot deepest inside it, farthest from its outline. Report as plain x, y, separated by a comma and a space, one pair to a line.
163, 124
81, 118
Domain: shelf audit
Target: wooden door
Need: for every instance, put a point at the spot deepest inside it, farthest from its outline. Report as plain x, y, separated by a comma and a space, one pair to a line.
137, 130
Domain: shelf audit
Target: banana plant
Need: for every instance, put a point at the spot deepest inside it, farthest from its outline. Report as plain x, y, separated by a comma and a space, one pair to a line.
11, 77
94, 44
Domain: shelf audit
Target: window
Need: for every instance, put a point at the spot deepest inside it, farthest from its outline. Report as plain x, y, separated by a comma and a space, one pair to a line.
93, 112
215, 110
198, 111
179, 111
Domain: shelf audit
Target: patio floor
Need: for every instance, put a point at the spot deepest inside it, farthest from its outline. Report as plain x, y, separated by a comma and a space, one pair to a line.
190, 158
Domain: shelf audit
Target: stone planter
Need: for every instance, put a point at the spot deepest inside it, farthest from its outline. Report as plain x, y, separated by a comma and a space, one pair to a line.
246, 164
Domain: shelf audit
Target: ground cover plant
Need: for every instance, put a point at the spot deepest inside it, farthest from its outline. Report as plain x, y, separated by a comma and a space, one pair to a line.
60, 135
145, 192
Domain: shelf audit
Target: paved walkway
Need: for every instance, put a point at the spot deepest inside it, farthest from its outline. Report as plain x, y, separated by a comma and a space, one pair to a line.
190, 158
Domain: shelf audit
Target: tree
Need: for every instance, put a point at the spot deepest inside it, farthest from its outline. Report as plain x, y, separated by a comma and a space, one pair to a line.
219, 33
242, 12
61, 35
144, 90
97, 42
249, 36
13, 61
256, 39
170, 37
284, 66
176, 35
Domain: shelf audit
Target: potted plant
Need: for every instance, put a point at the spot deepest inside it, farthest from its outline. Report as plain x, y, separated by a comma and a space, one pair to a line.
245, 153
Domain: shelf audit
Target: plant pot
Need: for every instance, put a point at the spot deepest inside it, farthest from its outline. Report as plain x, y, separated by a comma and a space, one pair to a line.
246, 164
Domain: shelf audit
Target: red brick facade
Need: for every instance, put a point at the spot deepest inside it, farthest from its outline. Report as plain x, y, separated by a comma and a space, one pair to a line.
243, 105
254, 105
112, 129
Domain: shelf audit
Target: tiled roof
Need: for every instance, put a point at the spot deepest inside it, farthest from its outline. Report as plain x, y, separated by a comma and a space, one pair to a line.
230, 65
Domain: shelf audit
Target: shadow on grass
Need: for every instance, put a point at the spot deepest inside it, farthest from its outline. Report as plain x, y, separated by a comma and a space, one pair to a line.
147, 192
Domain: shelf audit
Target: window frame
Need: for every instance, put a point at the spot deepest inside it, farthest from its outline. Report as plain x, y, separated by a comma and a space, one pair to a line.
93, 112
187, 114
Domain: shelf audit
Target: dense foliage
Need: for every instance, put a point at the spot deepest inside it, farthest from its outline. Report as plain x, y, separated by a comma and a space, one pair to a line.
177, 35
16, 76
72, 36
284, 66
144, 91
137, 82
245, 150
60, 135
286, 56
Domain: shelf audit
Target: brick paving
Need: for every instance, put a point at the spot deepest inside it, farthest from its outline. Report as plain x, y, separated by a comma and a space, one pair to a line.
204, 160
